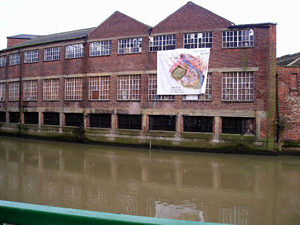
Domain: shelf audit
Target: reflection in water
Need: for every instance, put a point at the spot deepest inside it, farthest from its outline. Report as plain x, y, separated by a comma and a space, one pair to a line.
237, 189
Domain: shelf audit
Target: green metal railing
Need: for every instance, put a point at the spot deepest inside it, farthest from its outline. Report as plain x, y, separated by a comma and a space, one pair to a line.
30, 214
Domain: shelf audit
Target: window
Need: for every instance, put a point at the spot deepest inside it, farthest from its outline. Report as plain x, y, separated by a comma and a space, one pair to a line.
50, 89
100, 120
2, 91
31, 56
130, 122
14, 59
158, 122
202, 97
2, 117
51, 118
198, 40
152, 90
31, 117
130, 45
30, 90
13, 91
163, 42
73, 88
2, 61
52, 54
238, 125
238, 38
74, 119
74, 51
100, 48
198, 124
14, 117
99, 88
129, 87
237, 86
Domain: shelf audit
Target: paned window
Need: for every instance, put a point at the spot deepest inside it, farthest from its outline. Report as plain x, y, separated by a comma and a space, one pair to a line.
162, 122
74, 51
152, 90
2, 61
13, 91
2, 117
238, 38
198, 40
31, 56
2, 91
14, 117
163, 42
202, 97
50, 89
100, 120
14, 59
52, 54
74, 119
130, 45
198, 123
30, 90
99, 88
51, 118
73, 88
31, 117
100, 48
237, 86
130, 122
129, 87
238, 125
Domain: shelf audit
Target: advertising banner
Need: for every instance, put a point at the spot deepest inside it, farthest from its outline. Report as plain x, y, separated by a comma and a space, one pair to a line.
182, 71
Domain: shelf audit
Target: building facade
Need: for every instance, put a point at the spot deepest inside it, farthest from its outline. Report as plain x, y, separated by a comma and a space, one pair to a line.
99, 84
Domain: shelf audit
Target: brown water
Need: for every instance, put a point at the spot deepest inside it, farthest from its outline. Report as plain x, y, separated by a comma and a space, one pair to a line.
237, 189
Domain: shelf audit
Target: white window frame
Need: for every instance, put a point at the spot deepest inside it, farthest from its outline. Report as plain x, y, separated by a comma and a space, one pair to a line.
238, 86
14, 59
130, 45
238, 38
13, 91
152, 90
2, 92
198, 40
129, 87
30, 90
51, 89
162, 42
2, 61
74, 51
73, 88
202, 97
31, 56
99, 87
51, 54
100, 48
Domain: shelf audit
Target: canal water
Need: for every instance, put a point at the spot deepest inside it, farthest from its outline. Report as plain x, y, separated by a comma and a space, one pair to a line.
237, 189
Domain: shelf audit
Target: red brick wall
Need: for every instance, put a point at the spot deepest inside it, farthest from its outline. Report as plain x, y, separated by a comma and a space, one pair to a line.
289, 102
15, 41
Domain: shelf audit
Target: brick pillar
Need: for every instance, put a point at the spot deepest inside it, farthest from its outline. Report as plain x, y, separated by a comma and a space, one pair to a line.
179, 124
41, 119
217, 128
145, 125
114, 122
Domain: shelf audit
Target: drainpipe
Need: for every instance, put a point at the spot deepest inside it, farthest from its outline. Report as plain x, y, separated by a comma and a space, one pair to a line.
20, 92
277, 111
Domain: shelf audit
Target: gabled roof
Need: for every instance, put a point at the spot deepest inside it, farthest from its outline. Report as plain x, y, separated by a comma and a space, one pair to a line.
23, 36
289, 60
191, 17
119, 24
44, 39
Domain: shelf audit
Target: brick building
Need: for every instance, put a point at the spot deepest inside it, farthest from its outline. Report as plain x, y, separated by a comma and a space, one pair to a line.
288, 70
100, 83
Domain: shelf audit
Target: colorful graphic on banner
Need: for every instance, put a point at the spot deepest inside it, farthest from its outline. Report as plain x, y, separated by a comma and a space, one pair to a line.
182, 71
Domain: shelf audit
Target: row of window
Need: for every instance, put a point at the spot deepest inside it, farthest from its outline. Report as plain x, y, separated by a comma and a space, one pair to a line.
233, 125
236, 86
231, 39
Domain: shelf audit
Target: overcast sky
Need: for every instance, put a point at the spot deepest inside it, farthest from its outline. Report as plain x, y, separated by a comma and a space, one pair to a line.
46, 17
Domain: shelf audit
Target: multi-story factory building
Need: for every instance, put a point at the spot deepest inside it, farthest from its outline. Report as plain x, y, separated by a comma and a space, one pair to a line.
100, 84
